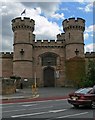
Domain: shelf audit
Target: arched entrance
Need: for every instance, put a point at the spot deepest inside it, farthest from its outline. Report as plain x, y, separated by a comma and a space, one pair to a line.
49, 79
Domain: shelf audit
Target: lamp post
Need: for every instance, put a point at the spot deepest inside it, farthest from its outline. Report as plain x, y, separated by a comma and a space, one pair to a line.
35, 82
35, 75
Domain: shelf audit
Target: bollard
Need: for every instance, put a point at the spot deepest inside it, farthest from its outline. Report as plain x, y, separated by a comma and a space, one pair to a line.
34, 91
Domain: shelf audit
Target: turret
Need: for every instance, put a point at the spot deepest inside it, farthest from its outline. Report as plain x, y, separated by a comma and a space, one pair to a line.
74, 29
73, 23
23, 45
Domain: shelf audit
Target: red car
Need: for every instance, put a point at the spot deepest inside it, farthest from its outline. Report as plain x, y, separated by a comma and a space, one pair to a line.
82, 97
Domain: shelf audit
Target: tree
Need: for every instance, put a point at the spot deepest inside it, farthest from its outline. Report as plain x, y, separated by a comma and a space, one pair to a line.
91, 71
90, 76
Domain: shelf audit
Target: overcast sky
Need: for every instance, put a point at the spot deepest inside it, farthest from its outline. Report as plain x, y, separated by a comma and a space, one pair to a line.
48, 18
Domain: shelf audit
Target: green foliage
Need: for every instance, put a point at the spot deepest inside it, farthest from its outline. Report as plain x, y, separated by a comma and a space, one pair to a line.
85, 83
89, 79
91, 71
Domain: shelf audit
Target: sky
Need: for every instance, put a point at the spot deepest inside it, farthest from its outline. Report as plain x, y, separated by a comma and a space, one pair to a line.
48, 18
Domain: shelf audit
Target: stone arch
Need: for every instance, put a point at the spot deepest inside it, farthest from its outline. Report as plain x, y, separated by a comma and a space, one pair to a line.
49, 67
49, 59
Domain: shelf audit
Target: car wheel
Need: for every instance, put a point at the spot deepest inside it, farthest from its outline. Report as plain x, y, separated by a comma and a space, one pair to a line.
93, 104
76, 106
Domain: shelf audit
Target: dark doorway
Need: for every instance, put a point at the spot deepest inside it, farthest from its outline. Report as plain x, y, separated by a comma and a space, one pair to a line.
49, 79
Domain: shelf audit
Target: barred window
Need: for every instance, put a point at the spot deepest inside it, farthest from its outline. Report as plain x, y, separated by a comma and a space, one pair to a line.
49, 59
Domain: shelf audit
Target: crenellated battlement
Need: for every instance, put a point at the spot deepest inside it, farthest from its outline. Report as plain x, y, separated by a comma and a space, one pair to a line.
90, 55
45, 41
6, 54
73, 23
61, 37
48, 43
25, 23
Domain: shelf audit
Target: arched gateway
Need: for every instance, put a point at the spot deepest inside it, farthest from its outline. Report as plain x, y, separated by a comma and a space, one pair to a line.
49, 78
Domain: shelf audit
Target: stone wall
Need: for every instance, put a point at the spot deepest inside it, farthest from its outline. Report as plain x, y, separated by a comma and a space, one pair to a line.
7, 64
8, 86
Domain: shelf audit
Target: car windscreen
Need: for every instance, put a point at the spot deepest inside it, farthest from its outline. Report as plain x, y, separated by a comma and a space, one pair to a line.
83, 90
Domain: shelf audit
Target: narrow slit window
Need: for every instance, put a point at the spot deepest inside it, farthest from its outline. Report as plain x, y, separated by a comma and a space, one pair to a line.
69, 35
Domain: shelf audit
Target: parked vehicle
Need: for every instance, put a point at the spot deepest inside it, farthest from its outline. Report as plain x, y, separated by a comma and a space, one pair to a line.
82, 97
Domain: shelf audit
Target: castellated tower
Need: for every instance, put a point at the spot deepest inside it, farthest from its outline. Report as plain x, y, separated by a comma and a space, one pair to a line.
23, 45
74, 37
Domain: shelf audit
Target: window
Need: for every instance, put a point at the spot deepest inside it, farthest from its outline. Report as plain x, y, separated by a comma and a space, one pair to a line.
48, 60
69, 35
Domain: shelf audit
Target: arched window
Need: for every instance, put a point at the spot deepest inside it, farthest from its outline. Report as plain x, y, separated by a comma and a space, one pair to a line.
49, 59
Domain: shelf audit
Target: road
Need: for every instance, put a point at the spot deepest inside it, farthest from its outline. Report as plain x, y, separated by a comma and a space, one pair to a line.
48, 109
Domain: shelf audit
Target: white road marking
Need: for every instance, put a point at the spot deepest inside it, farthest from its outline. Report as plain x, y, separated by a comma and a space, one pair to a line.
55, 111
35, 102
29, 105
52, 111
23, 115
28, 109
13, 110
66, 116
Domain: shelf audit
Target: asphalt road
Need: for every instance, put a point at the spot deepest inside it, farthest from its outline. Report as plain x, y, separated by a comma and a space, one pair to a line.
48, 109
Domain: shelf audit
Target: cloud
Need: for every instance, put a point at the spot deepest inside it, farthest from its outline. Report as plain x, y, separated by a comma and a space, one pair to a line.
38, 10
90, 28
44, 29
90, 47
80, 8
65, 9
7, 45
58, 16
48, 31
87, 8
89, 32
48, 8
81, 1
86, 35
7, 15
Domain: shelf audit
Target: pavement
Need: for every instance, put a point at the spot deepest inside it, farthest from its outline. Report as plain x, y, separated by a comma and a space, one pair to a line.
41, 94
